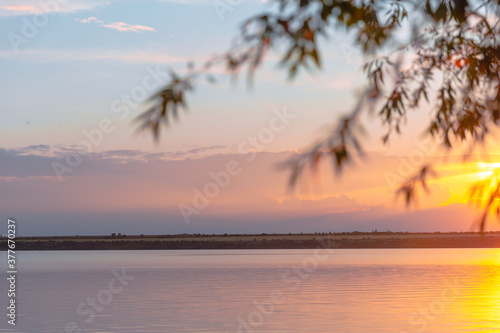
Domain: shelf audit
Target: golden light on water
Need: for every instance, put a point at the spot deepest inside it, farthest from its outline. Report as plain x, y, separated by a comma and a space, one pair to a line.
481, 292
493, 260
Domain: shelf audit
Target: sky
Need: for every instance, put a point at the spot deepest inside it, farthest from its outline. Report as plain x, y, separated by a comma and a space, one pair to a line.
76, 73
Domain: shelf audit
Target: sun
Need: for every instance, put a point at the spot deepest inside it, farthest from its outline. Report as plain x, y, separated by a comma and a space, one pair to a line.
485, 191
489, 170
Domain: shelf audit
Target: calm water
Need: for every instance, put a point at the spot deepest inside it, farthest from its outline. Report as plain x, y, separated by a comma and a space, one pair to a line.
424, 290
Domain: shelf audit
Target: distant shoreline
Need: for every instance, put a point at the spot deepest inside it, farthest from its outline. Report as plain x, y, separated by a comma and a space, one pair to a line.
352, 240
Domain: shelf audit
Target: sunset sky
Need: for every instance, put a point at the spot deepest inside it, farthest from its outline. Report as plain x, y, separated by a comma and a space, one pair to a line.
75, 68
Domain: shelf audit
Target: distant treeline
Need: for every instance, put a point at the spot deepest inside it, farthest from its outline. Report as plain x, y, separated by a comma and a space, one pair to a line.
351, 233
344, 240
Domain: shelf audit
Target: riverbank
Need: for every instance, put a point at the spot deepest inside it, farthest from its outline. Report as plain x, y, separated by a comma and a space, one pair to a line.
354, 240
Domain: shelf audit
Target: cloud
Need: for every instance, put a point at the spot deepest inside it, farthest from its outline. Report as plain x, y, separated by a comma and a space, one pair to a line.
119, 26
36, 160
37, 7
203, 149
88, 20
122, 153
47, 55
332, 204
183, 154
124, 186
21, 9
124, 27
161, 221
42, 148
206, 2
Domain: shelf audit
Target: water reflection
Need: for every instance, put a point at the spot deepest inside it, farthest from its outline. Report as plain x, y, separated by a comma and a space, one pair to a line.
263, 291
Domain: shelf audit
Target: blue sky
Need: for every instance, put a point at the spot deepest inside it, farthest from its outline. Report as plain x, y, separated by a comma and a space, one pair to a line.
65, 78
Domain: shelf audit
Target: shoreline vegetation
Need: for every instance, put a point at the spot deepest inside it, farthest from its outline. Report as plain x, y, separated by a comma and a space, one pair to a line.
343, 240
